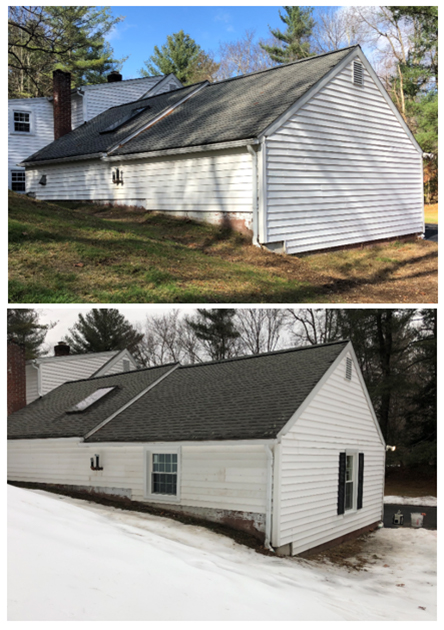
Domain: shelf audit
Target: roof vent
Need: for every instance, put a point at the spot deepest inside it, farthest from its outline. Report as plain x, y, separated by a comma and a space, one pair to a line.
90, 400
348, 368
358, 73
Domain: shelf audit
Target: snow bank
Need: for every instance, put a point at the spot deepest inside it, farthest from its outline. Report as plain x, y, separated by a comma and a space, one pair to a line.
426, 501
71, 560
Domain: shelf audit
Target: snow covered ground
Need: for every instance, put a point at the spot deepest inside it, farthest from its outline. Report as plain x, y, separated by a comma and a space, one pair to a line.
428, 501
73, 560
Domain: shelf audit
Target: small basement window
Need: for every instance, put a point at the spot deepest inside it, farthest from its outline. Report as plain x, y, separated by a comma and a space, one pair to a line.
18, 181
90, 400
22, 122
358, 73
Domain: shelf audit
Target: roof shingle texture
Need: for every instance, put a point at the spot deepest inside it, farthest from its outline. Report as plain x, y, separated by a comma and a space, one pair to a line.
248, 398
46, 417
235, 109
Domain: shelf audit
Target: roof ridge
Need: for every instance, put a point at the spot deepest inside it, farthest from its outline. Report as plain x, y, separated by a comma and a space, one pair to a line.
284, 65
266, 354
145, 369
141, 100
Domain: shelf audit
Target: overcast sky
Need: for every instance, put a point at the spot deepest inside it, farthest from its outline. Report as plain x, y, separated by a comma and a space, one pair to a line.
66, 317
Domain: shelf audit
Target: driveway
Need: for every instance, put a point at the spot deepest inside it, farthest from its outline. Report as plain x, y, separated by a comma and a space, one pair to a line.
390, 509
431, 232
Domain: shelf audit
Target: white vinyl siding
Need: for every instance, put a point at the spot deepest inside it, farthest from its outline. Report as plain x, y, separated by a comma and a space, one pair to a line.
106, 95
32, 386
22, 145
338, 419
210, 183
231, 477
342, 170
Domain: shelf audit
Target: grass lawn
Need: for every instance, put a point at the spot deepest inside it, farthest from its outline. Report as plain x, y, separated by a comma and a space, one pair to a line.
68, 253
431, 213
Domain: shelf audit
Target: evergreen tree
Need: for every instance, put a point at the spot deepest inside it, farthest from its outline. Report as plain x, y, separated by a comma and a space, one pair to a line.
41, 39
295, 40
24, 328
180, 55
103, 329
215, 328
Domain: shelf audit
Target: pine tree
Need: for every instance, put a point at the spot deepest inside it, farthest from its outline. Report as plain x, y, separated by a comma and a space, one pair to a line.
24, 328
103, 329
180, 55
215, 328
294, 41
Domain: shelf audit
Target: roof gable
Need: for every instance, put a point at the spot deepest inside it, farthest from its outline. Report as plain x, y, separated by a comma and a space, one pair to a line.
231, 110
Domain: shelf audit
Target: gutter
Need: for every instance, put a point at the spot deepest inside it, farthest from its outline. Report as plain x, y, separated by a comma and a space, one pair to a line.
196, 149
253, 154
268, 515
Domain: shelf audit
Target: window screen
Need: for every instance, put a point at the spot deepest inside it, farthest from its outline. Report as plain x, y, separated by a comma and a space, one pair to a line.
164, 473
18, 181
22, 122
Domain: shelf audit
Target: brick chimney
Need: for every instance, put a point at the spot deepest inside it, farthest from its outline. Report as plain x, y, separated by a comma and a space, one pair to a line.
62, 103
16, 377
114, 76
61, 349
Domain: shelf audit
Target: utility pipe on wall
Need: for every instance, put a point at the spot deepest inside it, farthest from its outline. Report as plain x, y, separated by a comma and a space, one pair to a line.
253, 154
269, 453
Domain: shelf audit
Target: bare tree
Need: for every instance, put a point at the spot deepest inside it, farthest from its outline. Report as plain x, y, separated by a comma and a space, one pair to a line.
335, 28
242, 57
313, 326
168, 339
260, 329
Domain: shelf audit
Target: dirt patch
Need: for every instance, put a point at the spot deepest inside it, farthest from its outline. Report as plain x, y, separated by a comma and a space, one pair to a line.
411, 482
352, 555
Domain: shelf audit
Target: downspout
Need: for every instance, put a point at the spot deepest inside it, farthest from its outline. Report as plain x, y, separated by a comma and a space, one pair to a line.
269, 453
253, 154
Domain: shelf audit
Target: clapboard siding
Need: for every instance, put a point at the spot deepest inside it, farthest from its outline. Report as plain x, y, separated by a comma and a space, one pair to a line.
342, 170
228, 477
338, 418
101, 97
32, 387
21, 146
213, 182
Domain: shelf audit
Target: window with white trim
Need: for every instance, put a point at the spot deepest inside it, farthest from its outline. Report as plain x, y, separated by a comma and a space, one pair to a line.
18, 181
164, 473
350, 481
22, 121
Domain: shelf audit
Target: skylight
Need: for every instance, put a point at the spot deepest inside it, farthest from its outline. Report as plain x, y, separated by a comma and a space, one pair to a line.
90, 400
121, 121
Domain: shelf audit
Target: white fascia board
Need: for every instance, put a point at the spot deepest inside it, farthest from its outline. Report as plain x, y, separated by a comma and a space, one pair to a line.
348, 348
164, 113
308, 95
132, 401
160, 444
219, 146
78, 440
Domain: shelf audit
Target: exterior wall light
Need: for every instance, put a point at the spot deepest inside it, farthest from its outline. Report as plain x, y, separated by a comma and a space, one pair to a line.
95, 463
117, 176
42, 181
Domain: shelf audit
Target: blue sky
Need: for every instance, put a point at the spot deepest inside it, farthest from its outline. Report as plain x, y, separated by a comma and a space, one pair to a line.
147, 26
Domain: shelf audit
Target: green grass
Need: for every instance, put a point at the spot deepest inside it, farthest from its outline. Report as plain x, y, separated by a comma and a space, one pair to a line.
83, 253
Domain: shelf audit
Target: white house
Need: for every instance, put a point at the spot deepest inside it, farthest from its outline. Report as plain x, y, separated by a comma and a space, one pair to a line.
306, 156
44, 374
31, 120
284, 445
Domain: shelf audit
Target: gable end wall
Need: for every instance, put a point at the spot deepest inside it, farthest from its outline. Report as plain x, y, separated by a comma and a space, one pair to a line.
338, 418
342, 170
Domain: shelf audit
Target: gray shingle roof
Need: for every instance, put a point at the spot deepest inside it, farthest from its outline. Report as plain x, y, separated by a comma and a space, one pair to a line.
46, 417
245, 398
235, 109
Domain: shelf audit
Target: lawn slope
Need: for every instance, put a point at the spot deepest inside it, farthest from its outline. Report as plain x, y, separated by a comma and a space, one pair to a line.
68, 253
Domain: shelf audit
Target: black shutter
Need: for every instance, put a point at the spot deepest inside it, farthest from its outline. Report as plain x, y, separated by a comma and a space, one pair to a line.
341, 484
360, 479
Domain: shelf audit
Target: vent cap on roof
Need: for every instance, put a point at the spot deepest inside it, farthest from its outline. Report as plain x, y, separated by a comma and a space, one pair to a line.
90, 400
358, 73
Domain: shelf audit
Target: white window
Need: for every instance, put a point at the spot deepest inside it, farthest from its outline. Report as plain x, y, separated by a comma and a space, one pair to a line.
162, 478
350, 482
22, 122
18, 181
